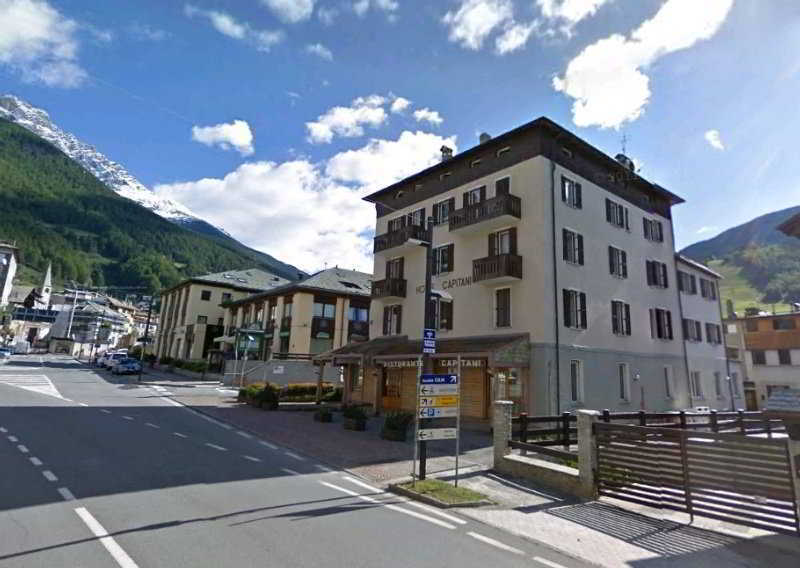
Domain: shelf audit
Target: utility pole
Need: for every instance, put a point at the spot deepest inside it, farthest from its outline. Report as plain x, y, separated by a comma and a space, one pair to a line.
145, 339
72, 311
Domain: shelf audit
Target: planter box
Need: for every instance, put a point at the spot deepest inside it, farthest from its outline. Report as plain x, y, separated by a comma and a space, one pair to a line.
355, 424
393, 435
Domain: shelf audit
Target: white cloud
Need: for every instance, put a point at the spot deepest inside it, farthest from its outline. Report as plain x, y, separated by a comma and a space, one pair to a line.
234, 136
291, 11
309, 214
606, 78
320, 51
327, 15
707, 230
145, 32
714, 139
399, 104
361, 7
224, 23
428, 115
348, 121
39, 43
514, 37
567, 13
474, 20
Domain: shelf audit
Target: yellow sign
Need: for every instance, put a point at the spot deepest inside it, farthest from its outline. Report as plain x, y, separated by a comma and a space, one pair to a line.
437, 401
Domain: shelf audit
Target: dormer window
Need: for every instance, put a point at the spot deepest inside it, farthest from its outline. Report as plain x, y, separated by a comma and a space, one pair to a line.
567, 152
445, 174
399, 194
502, 151
475, 163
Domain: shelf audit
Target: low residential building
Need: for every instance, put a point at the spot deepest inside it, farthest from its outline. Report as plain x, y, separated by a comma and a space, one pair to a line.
553, 281
287, 325
89, 328
191, 315
9, 258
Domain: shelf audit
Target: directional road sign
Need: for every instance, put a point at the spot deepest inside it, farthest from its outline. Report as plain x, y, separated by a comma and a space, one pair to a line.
430, 412
437, 401
427, 390
437, 434
430, 379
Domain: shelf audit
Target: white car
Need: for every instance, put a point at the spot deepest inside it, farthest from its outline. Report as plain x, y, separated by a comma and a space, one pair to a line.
110, 360
5, 357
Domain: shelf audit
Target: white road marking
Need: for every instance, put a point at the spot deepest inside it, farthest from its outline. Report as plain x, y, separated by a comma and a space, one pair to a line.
13, 439
179, 435
390, 506
251, 458
3, 430
323, 468
216, 447
547, 562
83, 404
268, 445
128, 417
34, 383
68, 399
294, 456
105, 411
36, 461
170, 401
22, 448
495, 543
290, 471
244, 434
114, 549
49, 475
152, 425
66, 494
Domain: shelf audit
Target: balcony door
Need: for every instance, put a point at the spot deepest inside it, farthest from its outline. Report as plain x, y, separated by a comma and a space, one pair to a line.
392, 388
395, 267
503, 242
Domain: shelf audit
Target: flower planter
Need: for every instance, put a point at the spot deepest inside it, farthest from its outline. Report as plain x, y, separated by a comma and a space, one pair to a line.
355, 424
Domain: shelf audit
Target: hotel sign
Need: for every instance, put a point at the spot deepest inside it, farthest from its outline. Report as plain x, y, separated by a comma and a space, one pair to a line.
457, 282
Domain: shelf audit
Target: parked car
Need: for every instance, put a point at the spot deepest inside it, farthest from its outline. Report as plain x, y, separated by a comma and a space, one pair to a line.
111, 359
126, 365
5, 357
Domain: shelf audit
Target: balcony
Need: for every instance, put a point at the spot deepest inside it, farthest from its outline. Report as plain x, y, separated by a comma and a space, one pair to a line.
497, 269
389, 289
321, 328
399, 239
487, 215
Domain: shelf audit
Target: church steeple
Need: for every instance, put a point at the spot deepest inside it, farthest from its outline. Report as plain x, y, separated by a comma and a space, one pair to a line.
47, 286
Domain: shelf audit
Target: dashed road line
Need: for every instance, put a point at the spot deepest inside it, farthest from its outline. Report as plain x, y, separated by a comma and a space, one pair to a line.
83, 404
36, 461
13, 439
216, 447
290, 471
244, 434
3, 430
152, 425
115, 550
49, 475
179, 435
547, 562
324, 468
495, 543
105, 411
251, 458
268, 445
294, 456
22, 448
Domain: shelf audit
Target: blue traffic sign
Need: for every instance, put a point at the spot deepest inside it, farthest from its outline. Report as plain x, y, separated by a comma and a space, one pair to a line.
429, 334
430, 379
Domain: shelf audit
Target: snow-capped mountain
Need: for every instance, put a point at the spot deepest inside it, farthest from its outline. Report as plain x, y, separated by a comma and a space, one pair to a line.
109, 172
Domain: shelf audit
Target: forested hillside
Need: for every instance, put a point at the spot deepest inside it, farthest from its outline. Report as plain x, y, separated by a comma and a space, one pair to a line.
58, 212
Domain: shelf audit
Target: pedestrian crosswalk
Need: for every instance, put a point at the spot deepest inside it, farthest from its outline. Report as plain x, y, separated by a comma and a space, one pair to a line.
30, 382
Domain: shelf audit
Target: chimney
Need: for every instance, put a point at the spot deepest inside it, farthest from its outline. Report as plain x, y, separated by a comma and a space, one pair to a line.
484, 138
447, 153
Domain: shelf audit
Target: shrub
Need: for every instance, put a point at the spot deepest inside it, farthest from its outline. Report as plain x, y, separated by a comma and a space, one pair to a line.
305, 389
354, 413
196, 366
267, 397
165, 360
398, 420
334, 396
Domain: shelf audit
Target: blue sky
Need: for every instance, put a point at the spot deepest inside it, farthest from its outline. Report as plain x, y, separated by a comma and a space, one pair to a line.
705, 93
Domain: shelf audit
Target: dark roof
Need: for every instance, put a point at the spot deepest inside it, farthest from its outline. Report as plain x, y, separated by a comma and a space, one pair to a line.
402, 346
337, 281
541, 122
250, 280
698, 266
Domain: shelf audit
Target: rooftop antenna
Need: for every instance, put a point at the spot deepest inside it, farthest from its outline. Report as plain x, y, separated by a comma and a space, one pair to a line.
624, 142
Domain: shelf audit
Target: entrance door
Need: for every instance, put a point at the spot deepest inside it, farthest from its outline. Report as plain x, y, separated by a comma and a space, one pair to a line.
391, 389
508, 385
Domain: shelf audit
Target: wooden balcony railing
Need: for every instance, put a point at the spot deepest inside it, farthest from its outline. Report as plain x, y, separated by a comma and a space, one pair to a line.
489, 209
389, 288
399, 237
360, 328
499, 266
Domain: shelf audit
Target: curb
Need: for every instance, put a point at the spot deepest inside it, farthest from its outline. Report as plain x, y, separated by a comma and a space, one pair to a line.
394, 488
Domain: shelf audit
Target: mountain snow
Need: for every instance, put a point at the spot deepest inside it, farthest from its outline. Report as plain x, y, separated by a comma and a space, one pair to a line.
109, 172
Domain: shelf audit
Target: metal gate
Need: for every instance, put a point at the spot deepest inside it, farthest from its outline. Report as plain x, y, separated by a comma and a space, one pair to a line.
729, 477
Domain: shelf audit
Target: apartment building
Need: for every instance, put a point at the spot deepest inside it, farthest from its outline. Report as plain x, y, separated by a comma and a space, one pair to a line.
554, 281
191, 315
287, 325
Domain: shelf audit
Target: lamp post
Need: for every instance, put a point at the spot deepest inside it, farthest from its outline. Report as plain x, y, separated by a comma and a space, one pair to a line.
730, 391
638, 380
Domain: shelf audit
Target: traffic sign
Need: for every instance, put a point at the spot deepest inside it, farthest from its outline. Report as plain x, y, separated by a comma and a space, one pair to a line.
438, 401
430, 379
437, 434
427, 390
430, 412
429, 341
429, 334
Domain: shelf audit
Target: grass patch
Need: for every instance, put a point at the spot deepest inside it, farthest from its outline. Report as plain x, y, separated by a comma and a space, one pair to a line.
444, 492
735, 287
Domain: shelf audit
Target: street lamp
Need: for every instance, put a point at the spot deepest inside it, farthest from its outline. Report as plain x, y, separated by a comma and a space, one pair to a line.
730, 391
638, 380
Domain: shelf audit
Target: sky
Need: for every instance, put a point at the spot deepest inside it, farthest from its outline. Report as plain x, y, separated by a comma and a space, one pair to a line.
273, 118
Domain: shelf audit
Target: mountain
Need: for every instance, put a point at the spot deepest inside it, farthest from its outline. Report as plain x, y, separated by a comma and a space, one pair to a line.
56, 211
761, 265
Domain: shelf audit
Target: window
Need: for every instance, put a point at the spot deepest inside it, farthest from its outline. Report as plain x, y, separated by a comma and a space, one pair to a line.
503, 150
668, 381
392, 319
358, 314
226, 297
356, 377
394, 268
657, 274
205, 295
202, 319
417, 218
287, 308
687, 283
474, 196
442, 313
396, 224
692, 331
576, 380
221, 322
784, 357
783, 323
759, 357
442, 210
661, 324
623, 374
502, 307
653, 230
572, 245
620, 318
323, 309
617, 215
696, 384
475, 163
502, 186
272, 310
618, 262
443, 259
708, 289
574, 309
751, 325
571, 193
713, 333
718, 384
735, 384
503, 242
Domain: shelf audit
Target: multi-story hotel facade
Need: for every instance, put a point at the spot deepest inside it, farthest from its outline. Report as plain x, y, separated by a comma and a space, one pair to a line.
554, 280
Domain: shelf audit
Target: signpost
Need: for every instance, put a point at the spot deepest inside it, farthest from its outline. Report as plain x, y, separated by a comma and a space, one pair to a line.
429, 341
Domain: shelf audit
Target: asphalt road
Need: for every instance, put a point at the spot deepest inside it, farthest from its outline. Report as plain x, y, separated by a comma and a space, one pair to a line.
95, 473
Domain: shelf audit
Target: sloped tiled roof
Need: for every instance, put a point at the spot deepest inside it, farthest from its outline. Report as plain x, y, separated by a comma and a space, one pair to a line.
333, 280
252, 279
697, 265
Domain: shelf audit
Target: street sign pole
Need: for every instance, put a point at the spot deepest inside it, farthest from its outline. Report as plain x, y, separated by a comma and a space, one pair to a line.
458, 420
416, 428
427, 361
